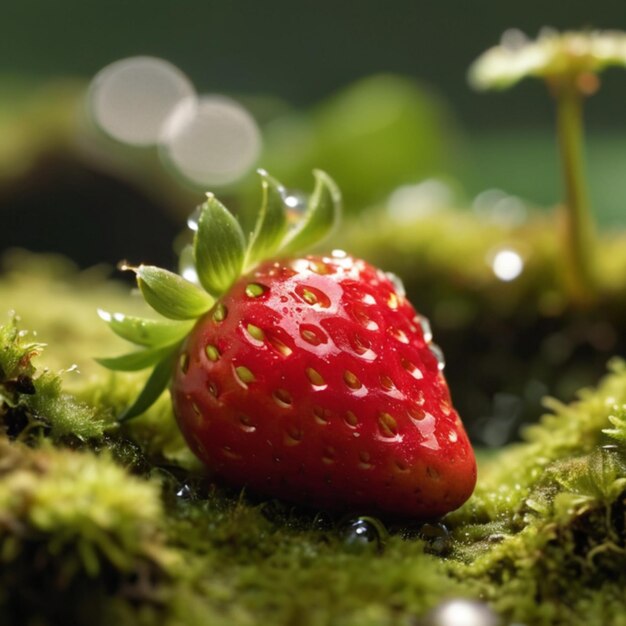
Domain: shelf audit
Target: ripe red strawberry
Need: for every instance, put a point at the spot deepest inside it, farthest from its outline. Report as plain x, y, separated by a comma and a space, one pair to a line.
310, 379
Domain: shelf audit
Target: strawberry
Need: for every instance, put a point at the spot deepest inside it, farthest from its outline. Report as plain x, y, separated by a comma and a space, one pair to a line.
310, 378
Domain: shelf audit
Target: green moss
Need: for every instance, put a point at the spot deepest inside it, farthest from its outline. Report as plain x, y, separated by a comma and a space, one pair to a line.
129, 530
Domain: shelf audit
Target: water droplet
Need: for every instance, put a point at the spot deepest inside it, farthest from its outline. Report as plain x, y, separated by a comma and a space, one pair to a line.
339, 254
437, 537
438, 354
462, 611
186, 492
295, 200
363, 534
190, 274
296, 203
194, 218
424, 324
397, 283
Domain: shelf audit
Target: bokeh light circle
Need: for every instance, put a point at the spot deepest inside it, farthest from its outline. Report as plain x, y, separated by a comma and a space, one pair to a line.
131, 99
211, 140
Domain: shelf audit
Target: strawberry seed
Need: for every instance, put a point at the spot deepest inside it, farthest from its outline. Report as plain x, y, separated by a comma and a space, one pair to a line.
212, 352
315, 377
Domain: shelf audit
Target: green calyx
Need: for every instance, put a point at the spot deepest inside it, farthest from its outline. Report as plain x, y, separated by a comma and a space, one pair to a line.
219, 255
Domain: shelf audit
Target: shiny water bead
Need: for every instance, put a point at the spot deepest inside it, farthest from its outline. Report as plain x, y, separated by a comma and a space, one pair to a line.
438, 354
437, 538
363, 534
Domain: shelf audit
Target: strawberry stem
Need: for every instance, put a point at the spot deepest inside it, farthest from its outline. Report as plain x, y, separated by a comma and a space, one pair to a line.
579, 228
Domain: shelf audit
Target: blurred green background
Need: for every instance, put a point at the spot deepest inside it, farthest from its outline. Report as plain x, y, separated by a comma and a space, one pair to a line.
288, 61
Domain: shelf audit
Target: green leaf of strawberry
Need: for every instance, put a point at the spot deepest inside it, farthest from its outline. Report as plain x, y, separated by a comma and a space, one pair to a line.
271, 223
135, 361
149, 333
154, 387
307, 378
170, 295
219, 247
321, 215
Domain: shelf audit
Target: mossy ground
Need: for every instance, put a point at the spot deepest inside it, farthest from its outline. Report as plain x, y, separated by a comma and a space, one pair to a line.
107, 524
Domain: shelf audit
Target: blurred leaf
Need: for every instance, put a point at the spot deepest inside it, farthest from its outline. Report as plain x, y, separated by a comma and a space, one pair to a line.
135, 361
154, 387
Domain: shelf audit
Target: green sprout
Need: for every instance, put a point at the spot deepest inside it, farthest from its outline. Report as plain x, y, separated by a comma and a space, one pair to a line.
568, 63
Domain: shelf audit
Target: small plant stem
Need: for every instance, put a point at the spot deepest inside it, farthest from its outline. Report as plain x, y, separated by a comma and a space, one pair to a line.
579, 227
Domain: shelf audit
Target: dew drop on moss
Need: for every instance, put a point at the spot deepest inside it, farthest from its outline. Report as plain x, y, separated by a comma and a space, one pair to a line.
186, 492
363, 534
437, 538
